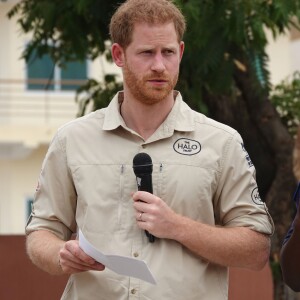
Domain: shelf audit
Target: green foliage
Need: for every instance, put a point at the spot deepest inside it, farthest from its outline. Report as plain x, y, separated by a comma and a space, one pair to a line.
222, 36
286, 99
98, 93
73, 30
275, 270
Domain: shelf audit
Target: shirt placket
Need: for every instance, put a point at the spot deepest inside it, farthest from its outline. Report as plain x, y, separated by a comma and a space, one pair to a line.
134, 283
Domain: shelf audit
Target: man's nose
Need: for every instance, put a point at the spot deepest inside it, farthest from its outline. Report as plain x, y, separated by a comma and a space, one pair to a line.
158, 64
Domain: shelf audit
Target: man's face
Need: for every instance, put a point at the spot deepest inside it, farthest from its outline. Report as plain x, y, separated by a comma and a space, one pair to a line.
151, 62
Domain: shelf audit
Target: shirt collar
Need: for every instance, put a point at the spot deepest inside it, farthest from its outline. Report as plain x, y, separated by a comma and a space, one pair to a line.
181, 117
113, 118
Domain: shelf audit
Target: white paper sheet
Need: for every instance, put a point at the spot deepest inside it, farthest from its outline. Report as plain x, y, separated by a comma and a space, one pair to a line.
122, 265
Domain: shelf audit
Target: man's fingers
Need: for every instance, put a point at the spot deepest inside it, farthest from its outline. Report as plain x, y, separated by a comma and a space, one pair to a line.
143, 196
77, 253
70, 266
73, 259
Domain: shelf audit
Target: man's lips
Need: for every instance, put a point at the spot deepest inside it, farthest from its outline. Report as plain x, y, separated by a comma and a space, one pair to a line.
159, 80
157, 83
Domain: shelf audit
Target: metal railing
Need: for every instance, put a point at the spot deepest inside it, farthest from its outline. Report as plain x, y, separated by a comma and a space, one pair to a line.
19, 105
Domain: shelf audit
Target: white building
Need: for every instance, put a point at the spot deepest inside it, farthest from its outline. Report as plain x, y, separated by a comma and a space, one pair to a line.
29, 115
29, 118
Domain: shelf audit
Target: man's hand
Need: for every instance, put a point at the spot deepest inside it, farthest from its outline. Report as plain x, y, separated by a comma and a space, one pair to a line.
154, 215
73, 259
232, 247
56, 256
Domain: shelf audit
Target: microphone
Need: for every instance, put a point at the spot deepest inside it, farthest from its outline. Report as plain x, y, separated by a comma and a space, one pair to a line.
142, 167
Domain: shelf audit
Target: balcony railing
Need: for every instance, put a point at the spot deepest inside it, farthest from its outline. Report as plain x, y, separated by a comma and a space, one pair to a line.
20, 106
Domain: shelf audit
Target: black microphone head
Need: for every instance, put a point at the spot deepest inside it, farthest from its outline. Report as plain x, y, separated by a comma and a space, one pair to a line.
142, 164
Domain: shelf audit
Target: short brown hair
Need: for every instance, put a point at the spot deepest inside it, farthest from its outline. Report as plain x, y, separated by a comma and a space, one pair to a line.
148, 11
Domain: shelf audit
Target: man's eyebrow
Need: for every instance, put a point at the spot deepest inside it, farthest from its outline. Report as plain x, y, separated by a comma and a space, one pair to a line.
150, 48
145, 48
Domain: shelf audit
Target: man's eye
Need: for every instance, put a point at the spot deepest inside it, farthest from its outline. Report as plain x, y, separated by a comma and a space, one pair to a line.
147, 52
169, 52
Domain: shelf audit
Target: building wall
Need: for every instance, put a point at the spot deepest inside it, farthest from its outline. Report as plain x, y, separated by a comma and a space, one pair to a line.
17, 184
34, 284
284, 58
280, 60
28, 122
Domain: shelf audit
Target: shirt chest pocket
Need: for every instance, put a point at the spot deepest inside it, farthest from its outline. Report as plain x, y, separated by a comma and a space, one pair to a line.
103, 196
188, 189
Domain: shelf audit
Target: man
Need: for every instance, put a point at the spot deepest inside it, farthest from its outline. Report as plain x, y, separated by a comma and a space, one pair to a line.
205, 211
290, 261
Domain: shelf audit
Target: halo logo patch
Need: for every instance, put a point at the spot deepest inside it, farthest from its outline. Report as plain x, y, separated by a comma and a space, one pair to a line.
187, 146
256, 197
248, 159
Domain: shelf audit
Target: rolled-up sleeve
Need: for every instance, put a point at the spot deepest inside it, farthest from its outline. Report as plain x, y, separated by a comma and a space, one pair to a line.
54, 205
238, 199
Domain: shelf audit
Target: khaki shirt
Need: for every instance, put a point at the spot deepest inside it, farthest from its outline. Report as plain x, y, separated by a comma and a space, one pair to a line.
200, 169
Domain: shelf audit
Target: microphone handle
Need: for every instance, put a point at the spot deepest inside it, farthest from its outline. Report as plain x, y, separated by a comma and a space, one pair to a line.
146, 183
146, 186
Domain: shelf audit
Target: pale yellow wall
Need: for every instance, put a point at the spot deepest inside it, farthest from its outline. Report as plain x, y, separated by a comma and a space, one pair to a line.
284, 55
32, 119
18, 182
12, 44
279, 52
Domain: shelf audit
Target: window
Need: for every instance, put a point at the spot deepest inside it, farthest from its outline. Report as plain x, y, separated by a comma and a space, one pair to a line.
43, 74
40, 71
29, 202
74, 71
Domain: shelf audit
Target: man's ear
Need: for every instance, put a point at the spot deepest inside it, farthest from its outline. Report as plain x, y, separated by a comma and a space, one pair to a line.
117, 53
181, 47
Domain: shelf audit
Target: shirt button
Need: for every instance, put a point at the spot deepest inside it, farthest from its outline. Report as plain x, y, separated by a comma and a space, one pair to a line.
133, 291
135, 254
